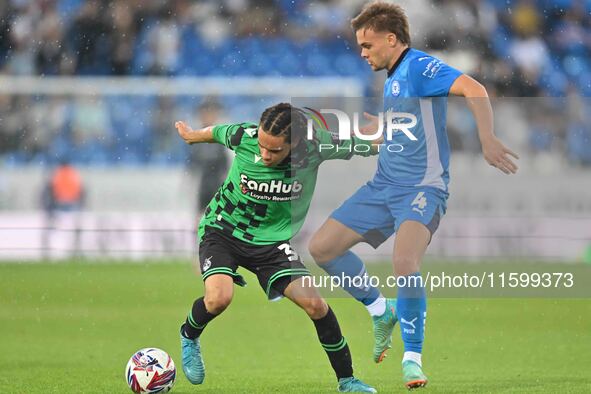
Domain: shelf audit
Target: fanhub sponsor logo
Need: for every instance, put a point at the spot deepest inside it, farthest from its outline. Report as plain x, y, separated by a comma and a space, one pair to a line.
272, 190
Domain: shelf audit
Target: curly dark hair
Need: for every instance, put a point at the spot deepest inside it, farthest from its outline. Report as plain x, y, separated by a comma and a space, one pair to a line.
285, 120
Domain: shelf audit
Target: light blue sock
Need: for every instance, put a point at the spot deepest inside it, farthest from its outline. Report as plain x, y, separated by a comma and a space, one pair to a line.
350, 265
411, 308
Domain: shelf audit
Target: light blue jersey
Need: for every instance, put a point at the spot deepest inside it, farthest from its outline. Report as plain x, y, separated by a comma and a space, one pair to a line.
415, 92
413, 167
410, 183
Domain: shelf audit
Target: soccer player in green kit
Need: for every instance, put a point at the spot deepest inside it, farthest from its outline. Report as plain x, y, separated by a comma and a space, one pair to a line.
261, 205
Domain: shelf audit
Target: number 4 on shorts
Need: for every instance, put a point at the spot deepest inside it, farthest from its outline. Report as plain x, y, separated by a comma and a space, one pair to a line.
420, 200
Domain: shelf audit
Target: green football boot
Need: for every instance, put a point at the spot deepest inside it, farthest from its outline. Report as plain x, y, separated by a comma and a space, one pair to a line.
382, 330
413, 375
193, 366
354, 385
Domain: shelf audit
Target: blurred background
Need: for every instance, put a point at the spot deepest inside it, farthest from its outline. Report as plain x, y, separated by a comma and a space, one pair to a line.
90, 164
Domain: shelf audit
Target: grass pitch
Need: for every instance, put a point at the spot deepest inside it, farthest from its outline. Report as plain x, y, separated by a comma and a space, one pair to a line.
70, 328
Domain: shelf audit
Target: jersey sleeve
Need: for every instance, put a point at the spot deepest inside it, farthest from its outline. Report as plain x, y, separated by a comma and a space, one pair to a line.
331, 148
430, 77
231, 134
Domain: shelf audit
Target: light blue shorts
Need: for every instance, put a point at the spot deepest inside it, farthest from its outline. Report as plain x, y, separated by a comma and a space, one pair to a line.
376, 212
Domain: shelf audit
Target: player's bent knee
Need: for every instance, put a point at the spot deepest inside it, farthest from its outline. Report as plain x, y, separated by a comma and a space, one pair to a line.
217, 303
218, 293
316, 308
218, 298
320, 251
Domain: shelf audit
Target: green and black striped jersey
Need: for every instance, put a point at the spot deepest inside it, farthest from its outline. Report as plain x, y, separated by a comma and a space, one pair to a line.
262, 205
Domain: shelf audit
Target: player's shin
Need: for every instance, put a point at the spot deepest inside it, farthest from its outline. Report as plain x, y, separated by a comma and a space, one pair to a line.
411, 308
335, 345
197, 319
350, 272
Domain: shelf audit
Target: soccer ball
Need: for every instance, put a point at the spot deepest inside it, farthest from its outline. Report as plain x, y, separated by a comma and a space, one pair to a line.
150, 370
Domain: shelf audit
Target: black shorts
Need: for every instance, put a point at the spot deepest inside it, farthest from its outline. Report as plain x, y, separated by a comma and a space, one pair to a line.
275, 265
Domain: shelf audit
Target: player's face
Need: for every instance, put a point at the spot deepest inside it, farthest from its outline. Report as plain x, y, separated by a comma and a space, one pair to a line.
274, 149
377, 48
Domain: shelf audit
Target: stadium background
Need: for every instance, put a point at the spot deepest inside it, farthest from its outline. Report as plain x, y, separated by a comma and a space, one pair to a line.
99, 84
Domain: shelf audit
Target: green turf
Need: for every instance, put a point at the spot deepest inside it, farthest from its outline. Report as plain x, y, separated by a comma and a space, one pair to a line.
72, 327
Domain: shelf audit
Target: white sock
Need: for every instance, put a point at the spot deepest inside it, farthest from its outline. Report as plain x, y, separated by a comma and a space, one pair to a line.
413, 356
378, 307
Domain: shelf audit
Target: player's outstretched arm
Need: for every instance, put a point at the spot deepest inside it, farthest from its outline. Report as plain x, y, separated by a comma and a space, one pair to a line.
191, 136
495, 153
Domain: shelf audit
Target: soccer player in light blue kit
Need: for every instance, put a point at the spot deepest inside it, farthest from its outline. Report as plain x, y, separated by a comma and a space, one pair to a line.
408, 193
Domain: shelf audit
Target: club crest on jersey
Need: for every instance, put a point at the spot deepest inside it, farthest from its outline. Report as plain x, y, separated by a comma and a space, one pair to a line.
395, 88
271, 190
207, 263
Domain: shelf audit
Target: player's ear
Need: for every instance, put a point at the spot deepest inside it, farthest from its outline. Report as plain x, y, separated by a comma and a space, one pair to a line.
392, 40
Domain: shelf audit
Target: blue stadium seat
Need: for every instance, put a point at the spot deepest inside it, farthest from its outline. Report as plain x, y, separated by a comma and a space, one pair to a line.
67, 9
574, 66
540, 139
499, 5
555, 4
584, 84
553, 80
346, 64
258, 64
195, 57
142, 58
578, 141
500, 41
